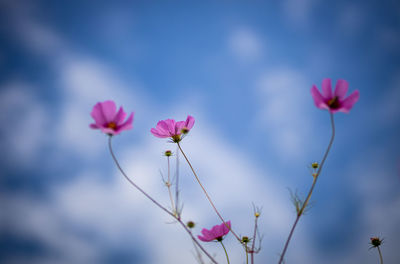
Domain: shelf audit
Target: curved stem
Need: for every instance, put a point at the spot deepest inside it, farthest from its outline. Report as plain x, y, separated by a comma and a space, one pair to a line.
205, 192
226, 253
132, 183
380, 255
155, 202
301, 211
254, 241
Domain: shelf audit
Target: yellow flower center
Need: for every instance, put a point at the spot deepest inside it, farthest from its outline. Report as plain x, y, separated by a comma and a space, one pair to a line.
112, 125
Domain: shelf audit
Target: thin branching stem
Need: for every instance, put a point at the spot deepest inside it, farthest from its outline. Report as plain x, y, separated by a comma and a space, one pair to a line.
301, 211
380, 255
205, 192
177, 185
254, 241
169, 187
155, 202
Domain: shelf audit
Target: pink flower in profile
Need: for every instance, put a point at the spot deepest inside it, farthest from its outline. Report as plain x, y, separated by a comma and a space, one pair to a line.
336, 101
108, 120
169, 128
216, 233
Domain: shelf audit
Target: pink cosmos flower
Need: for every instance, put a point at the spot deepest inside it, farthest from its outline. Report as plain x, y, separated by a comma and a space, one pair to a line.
216, 233
170, 128
336, 101
108, 120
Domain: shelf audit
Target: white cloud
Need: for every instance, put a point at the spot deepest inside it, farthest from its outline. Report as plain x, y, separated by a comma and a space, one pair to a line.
282, 99
245, 44
37, 220
25, 123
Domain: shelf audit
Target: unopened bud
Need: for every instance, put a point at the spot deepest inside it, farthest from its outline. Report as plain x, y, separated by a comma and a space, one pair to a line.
245, 239
168, 153
190, 224
315, 165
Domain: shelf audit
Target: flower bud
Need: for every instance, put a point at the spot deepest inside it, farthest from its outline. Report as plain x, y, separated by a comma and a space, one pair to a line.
245, 239
168, 153
190, 224
315, 165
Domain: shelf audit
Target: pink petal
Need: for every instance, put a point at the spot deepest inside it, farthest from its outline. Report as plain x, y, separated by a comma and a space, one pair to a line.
119, 118
327, 88
189, 122
215, 231
98, 115
319, 100
178, 127
348, 103
204, 239
207, 235
226, 229
127, 125
158, 134
162, 127
108, 109
171, 126
341, 88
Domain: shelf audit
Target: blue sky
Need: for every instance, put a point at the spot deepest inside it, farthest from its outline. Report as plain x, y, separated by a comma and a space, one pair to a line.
244, 71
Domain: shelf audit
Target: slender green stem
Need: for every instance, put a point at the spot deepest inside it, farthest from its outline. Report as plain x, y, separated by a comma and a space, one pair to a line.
301, 211
247, 254
205, 192
226, 253
169, 187
155, 202
380, 254
177, 185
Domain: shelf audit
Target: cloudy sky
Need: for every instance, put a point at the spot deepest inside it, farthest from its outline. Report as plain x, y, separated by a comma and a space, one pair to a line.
244, 71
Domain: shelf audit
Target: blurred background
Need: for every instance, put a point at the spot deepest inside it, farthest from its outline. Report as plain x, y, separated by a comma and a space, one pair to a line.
244, 70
